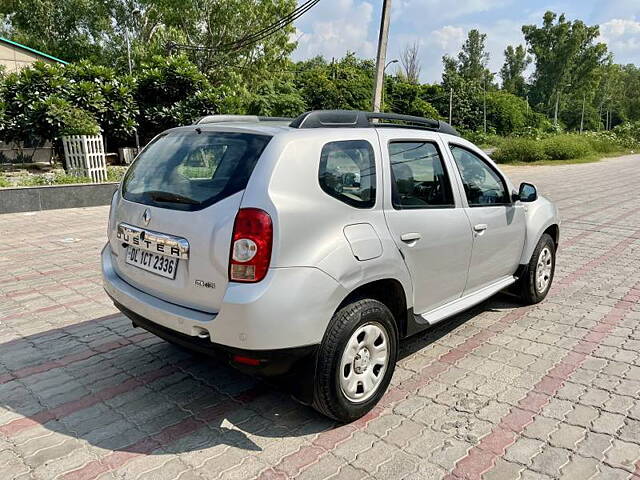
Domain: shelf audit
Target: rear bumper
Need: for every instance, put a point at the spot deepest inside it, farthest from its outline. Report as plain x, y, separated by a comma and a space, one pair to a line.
289, 309
267, 362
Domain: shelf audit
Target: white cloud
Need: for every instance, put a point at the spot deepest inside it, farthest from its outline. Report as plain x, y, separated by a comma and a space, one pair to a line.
421, 11
448, 38
339, 26
623, 38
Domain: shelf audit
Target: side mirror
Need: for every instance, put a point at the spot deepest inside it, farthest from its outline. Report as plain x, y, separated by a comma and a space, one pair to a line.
527, 193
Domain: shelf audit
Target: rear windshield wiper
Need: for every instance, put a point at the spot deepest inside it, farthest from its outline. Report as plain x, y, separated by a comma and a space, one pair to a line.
168, 197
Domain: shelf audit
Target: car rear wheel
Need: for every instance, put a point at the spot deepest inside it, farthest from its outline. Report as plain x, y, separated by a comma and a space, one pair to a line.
536, 280
356, 360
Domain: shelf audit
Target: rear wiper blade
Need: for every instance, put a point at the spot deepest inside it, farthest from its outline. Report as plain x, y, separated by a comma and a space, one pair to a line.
169, 197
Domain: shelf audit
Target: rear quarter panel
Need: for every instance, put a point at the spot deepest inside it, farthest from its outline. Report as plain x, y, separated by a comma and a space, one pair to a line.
308, 223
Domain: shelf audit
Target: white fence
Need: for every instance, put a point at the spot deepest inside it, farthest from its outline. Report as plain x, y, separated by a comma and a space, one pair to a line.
85, 156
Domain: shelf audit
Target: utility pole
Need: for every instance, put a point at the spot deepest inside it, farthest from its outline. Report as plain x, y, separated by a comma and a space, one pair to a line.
127, 34
382, 54
584, 99
450, 105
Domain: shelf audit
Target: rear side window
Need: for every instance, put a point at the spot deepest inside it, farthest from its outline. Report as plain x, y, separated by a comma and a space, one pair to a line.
348, 172
419, 179
187, 170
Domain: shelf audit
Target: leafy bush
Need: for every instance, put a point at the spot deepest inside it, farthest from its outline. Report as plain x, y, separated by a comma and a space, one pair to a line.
115, 174
516, 149
4, 182
483, 139
33, 181
66, 179
604, 142
628, 134
48, 101
65, 119
171, 92
55, 178
506, 112
566, 147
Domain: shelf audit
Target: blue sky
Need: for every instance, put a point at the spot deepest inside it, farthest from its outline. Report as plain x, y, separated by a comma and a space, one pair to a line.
334, 27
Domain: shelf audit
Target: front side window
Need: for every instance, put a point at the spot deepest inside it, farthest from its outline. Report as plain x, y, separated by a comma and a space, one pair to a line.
418, 177
348, 172
187, 170
482, 184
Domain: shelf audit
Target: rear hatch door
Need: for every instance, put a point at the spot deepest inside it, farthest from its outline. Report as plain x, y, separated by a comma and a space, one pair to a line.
172, 221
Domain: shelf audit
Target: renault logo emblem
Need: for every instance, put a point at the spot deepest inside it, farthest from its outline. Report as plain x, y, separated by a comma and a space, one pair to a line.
146, 217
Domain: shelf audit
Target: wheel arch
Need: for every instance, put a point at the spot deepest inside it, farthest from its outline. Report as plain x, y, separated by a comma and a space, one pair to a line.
388, 291
541, 218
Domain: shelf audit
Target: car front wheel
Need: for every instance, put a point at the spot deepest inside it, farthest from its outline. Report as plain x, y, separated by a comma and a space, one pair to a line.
356, 360
536, 280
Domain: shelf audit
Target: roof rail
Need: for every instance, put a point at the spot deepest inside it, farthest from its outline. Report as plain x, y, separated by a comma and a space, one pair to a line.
360, 119
239, 118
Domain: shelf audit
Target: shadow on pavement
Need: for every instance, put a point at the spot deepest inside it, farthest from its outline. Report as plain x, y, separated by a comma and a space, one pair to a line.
122, 389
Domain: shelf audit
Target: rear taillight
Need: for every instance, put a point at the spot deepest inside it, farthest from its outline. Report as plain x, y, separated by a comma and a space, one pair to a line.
250, 246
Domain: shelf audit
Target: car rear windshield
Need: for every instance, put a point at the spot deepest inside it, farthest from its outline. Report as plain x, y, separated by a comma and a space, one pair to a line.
190, 170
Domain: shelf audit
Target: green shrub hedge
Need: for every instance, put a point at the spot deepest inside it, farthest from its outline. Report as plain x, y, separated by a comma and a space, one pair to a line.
557, 147
566, 147
519, 150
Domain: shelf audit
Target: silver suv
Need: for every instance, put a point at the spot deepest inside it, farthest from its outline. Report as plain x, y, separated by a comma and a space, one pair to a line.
310, 248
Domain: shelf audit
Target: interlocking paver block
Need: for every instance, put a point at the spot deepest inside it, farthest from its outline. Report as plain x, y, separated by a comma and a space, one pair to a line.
460, 379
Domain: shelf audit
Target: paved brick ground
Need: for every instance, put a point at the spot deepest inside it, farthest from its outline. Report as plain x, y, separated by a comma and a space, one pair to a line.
501, 392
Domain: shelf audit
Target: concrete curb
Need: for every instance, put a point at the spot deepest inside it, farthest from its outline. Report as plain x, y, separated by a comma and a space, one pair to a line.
51, 197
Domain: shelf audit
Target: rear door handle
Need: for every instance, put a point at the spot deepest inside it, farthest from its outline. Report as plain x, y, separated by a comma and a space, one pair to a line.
410, 237
481, 227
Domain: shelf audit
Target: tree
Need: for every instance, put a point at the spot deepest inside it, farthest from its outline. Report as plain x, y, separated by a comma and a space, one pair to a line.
565, 53
473, 58
343, 84
171, 92
96, 30
410, 61
69, 29
468, 77
516, 62
406, 98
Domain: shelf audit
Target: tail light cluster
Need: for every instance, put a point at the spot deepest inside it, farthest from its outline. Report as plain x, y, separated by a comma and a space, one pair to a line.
250, 245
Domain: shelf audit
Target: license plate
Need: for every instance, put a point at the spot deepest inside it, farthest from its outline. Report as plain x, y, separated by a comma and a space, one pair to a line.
152, 262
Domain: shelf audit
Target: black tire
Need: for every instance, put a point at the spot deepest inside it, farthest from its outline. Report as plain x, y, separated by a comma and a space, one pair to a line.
328, 397
528, 290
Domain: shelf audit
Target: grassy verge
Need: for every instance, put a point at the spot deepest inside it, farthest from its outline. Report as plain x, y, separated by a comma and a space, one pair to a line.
596, 157
559, 149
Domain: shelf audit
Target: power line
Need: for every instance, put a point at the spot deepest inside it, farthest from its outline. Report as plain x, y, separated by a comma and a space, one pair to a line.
254, 37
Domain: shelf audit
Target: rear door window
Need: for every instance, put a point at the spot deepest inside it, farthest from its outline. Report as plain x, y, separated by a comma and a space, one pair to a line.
187, 170
348, 172
418, 175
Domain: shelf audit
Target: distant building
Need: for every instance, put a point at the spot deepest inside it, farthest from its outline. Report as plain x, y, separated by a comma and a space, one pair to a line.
15, 56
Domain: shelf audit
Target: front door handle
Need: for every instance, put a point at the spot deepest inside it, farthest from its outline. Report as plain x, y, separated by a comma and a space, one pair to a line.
479, 228
410, 237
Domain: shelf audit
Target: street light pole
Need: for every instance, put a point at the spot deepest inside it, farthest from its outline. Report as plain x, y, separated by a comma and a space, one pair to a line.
382, 54
384, 70
450, 105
